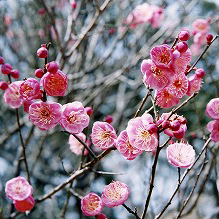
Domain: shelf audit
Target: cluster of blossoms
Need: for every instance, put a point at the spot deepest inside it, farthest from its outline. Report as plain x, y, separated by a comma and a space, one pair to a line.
145, 13
20, 192
114, 194
212, 110
167, 71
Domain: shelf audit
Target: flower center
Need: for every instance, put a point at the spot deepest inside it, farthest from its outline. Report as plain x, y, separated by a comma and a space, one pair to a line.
177, 83
106, 135
72, 118
156, 71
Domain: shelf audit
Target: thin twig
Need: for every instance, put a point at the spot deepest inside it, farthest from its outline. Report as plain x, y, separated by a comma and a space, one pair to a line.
142, 104
131, 211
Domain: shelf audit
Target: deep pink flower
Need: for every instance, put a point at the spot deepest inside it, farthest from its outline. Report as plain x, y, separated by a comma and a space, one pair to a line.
155, 77
109, 119
3, 85
6, 69
180, 155
194, 84
25, 205
75, 146
125, 148
184, 35
15, 74
39, 73
162, 56
177, 125
165, 99
55, 84
212, 108
103, 135
27, 104
42, 52
91, 204
2, 61
114, 194
12, 95
45, 115
52, 67
18, 189
178, 86
29, 89
139, 135
213, 127
201, 26
74, 117
89, 110
209, 38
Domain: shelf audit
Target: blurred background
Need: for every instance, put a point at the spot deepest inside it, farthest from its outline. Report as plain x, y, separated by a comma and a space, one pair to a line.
101, 55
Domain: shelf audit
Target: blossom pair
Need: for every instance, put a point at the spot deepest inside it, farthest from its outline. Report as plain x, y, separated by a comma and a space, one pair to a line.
20, 191
114, 194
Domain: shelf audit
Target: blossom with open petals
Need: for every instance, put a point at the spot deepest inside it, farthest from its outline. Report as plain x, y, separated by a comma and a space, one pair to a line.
200, 26
74, 117
45, 115
212, 108
91, 204
114, 194
180, 155
195, 84
103, 135
213, 127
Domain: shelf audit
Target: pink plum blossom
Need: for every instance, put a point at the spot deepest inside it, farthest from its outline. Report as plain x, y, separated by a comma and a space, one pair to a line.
212, 108
177, 125
178, 86
201, 26
74, 117
75, 146
29, 89
25, 205
114, 194
12, 95
45, 115
180, 155
194, 84
213, 127
162, 56
155, 77
125, 148
18, 189
27, 104
157, 16
200, 38
101, 216
55, 84
103, 135
139, 135
165, 99
91, 204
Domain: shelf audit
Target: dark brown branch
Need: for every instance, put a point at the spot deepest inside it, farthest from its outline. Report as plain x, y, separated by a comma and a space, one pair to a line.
131, 211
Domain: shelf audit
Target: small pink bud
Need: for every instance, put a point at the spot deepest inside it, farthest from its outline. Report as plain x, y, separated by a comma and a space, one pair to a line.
165, 124
39, 73
89, 110
1, 60
15, 74
42, 52
52, 67
152, 128
41, 11
3, 85
175, 125
112, 30
25, 205
40, 95
101, 216
182, 46
179, 134
200, 73
6, 69
73, 5
109, 119
183, 35
209, 38
27, 104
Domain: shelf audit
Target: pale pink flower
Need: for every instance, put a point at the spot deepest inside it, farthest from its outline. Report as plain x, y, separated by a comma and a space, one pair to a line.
114, 194
213, 127
29, 89
212, 108
12, 95
74, 117
157, 16
180, 155
178, 86
201, 26
91, 204
18, 189
45, 115
25, 205
180, 64
55, 84
125, 148
194, 84
103, 135
155, 77
139, 134
200, 38
162, 56
75, 146
177, 125
165, 99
